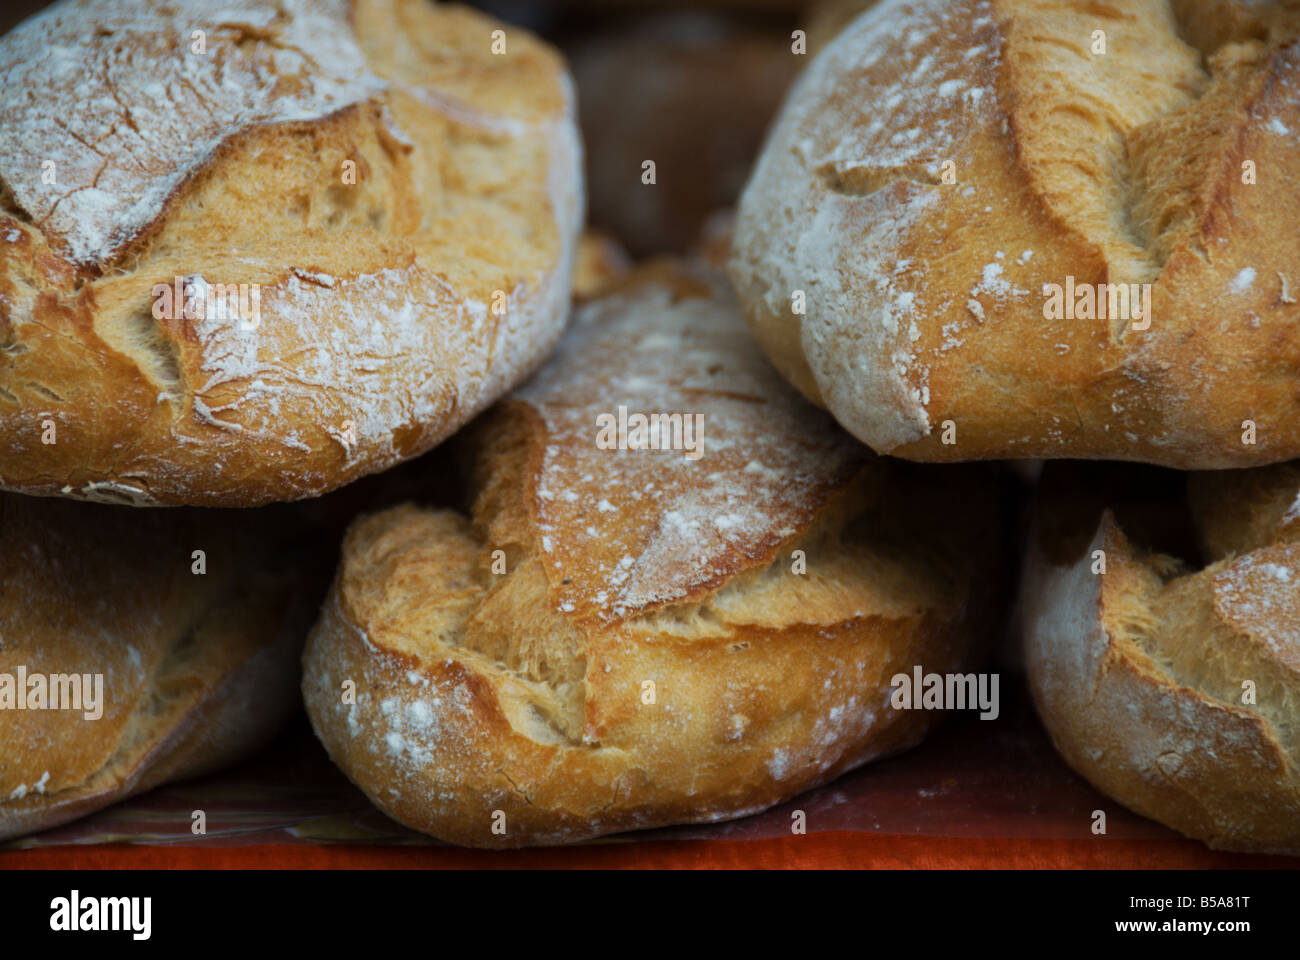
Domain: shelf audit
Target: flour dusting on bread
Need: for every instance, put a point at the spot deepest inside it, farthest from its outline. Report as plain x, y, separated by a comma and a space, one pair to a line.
402, 204
656, 525
1260, 594
852, 183
622, 638
142, 132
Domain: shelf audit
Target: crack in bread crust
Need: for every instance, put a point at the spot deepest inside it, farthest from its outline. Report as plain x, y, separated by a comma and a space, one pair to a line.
1194, 713
523, 690
940, 165
417, 203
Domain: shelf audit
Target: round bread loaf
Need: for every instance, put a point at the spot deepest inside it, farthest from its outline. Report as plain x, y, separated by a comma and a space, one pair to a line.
1162, 633
128, 659
1019, 228
626, 638
251, 252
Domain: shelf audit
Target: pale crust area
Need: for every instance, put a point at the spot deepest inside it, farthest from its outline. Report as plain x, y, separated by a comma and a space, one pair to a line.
198, 670
524, 692
600, 260
925, 298
1140, 674
406, 203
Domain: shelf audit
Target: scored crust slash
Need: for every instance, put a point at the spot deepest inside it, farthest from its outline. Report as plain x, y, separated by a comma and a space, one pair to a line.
652, 654
358, 176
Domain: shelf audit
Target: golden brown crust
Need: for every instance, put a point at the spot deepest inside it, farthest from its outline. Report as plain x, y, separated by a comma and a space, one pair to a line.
524, 691
403, 202
1172, 688
197, 669
925, 283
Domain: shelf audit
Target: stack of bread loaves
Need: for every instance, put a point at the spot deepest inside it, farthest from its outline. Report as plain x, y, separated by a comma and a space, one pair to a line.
252, 253
1012, 228
619, 633
248, 253
250, 257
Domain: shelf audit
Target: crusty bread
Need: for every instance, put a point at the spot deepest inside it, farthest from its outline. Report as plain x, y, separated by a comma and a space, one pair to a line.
943, 161
1172, 680
405, 200
449, 692
197, 670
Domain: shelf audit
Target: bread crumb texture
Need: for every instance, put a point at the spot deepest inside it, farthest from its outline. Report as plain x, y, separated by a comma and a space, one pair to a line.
404, 202
1173, 687
649, 653
942, 163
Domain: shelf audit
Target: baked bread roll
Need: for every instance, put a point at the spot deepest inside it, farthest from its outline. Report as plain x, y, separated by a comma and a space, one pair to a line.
1019, 229
121, 667
1172, 680
623, 639
252, 252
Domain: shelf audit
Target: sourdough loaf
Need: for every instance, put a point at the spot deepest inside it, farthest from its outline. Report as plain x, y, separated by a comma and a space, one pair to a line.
191, 621
613, 639
251, 252
1162, 638
1020, 228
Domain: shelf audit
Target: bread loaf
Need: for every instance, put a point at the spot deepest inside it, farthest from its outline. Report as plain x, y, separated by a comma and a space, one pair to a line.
137, 647
1162, 636
1018, 228
251, 252
616, 639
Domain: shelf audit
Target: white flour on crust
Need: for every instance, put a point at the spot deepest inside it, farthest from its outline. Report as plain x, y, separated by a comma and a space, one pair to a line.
650, 526
836, 193
74, 76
